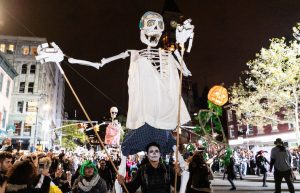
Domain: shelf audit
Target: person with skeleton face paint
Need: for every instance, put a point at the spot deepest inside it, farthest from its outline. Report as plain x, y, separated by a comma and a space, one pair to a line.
153, 176
152, 86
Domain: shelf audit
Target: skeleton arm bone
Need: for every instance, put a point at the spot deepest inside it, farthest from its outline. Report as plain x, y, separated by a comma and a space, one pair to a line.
185, 71
86, 63
103, 61
123, 55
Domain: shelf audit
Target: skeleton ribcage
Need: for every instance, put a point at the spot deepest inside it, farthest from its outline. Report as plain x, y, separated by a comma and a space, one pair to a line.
158, 59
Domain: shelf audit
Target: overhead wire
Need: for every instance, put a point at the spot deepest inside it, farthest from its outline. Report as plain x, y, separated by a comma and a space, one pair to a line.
78, 100
101, 92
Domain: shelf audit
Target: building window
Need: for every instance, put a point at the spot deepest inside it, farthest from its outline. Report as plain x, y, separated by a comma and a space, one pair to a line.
22, 87
2, 48
27, 129
250, 130
34, 51
241, 130
30, 87
32, 69
18, 126
4, 119
229, 116
25, 50
231, 132
24, 69
11, 49
20, 106
1, 81
7, 88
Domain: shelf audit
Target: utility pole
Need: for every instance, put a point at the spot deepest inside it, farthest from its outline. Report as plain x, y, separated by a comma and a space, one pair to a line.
41, 97
35, 128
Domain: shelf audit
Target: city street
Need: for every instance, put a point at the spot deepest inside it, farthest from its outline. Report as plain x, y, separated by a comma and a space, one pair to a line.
250, 184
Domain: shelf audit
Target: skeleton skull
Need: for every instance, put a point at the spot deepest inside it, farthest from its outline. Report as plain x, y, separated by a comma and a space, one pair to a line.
151, 26
113, 112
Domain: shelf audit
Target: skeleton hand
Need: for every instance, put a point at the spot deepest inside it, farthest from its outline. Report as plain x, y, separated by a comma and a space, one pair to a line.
46, 54
185, 32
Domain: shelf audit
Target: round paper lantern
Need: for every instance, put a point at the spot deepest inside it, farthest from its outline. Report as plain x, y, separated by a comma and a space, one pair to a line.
218, 95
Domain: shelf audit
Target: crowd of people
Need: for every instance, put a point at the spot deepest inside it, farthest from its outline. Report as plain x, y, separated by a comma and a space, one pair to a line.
66, 172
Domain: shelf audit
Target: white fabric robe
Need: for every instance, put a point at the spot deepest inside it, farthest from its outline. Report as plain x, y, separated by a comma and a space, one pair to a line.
153, 99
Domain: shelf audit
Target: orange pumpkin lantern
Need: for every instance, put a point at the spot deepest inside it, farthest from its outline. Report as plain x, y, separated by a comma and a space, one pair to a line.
218, 95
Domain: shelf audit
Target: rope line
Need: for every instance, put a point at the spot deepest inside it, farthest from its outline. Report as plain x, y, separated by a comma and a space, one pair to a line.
19, 22
78, 100
101, 92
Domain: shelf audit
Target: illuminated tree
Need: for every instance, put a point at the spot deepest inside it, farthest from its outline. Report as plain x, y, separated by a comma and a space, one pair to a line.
71, 136
272, 86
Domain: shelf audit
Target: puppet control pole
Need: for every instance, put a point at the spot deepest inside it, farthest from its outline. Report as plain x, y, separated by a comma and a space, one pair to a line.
90, 121
178, 112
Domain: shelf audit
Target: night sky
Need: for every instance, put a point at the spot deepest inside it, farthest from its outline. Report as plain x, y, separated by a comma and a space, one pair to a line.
228, 33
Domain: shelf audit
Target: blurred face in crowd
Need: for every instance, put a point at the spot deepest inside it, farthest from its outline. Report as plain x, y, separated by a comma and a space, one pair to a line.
6, 164
153, 153
102, 164
7, 142
88, 172
49, 154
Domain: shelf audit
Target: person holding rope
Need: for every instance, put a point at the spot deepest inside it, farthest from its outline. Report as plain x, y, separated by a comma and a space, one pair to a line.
153, 176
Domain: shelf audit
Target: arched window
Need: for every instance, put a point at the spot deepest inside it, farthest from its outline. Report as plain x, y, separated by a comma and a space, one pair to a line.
24, 69
32, 69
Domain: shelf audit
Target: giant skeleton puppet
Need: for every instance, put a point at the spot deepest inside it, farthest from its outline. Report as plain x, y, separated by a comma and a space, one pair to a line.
153, 87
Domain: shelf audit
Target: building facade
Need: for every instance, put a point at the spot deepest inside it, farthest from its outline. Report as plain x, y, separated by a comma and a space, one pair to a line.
37, 103
249, 135
7, 75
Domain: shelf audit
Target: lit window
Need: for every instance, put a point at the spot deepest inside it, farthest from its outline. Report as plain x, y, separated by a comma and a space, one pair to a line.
7, 88
31, 106
11, 48
27, 129
2, 48
25, 50
30, 87
18, 125
24, 69
1, 81
22, 87
34, 51
20, 106
32, 69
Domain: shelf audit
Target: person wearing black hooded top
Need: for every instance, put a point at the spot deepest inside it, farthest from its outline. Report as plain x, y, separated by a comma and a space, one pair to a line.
281, 160
261, 162
22, 178
153, 176
199, 175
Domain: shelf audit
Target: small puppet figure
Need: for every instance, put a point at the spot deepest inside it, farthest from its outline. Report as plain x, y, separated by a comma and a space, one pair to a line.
112, 135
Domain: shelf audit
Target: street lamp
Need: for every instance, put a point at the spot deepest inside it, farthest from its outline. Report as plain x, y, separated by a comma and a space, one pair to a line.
41, 97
